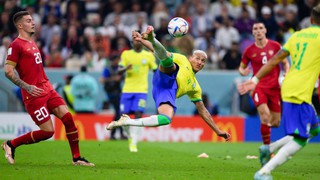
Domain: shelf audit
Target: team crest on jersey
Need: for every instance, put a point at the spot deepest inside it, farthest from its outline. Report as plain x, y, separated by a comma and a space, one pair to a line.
193, 85
144, 61
271, 52
33, 48
254, 55
28, 49
263, 53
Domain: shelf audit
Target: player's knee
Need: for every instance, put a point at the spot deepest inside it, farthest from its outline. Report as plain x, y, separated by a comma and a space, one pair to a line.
163, 120
276, 123
265, 118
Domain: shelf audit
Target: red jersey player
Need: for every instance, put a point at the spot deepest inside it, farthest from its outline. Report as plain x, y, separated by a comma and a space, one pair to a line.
266, 96
39, 97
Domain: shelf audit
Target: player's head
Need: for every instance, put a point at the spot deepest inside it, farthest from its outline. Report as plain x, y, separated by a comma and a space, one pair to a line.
315, 15
24, 22
259, 31
197, 60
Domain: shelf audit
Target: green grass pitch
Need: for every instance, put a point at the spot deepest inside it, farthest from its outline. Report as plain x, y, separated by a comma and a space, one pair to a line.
52, 160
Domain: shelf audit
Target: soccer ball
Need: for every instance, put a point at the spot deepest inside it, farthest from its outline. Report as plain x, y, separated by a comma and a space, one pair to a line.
178, 27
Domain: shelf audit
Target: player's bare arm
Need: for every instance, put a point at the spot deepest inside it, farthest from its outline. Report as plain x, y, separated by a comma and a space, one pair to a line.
206, 116
244, 70
285, 65
123, 69
10, 74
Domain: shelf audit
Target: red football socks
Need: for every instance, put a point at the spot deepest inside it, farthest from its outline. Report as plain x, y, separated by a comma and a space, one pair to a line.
265, 131
32, 137
72, 134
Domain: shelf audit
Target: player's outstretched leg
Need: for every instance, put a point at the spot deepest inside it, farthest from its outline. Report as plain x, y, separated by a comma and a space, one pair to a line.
9, 151
118, 123
264, 154
258, 176
81, 161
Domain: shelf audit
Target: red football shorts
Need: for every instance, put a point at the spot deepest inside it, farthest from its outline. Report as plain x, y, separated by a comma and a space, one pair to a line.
271, 97
40, 108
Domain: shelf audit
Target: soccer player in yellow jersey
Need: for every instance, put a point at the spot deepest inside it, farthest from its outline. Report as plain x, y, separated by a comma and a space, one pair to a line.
174, 78
137, 63
298, 113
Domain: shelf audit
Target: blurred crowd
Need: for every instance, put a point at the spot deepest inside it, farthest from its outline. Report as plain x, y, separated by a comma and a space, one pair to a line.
73, 33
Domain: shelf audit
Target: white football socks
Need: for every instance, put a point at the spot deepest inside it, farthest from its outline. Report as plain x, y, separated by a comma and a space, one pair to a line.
279, 143
146, 121
281, 157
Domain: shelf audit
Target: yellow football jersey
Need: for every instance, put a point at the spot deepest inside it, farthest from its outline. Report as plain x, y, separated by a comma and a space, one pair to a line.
136, 80
186, 79
304, 49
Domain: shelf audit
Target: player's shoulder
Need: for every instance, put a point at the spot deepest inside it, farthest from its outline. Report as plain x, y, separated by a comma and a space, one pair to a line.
16, 42
126, 52
274, 43
249, 48
149, 53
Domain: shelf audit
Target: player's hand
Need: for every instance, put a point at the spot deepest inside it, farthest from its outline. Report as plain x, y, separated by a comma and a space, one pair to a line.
117, 78
246, 71
225, 135
129, 66
246, 86
136, 36
34, 90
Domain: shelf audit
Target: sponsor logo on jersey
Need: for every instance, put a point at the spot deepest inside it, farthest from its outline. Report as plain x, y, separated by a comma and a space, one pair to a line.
271, 52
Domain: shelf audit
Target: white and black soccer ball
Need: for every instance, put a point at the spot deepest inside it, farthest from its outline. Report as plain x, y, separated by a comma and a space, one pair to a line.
178, 27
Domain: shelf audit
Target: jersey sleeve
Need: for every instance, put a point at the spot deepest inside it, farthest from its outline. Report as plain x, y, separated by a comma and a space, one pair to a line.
13, 53
123, 61
288, 45
196, 94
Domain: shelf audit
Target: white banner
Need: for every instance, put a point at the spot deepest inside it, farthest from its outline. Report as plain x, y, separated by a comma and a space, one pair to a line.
13, 125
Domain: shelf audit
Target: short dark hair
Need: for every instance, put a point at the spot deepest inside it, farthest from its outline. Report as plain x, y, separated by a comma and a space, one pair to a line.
17, 16
315, 14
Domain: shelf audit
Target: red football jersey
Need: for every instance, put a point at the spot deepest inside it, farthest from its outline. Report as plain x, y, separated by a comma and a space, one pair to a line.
258, 57
29, 65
